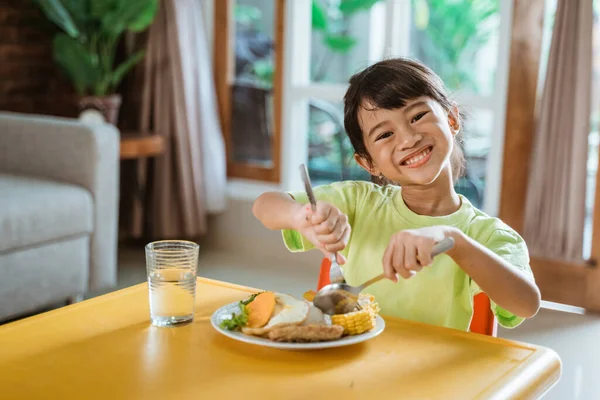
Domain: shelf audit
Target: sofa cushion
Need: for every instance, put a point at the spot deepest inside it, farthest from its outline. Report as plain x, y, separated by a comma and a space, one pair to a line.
35, 211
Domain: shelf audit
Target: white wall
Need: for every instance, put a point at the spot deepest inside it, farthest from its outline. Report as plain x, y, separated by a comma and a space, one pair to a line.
237, 231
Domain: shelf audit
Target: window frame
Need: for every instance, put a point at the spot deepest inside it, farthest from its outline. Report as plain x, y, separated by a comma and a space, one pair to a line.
223, 67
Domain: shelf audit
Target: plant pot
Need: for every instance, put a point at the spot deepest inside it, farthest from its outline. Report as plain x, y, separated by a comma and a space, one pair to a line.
107, 105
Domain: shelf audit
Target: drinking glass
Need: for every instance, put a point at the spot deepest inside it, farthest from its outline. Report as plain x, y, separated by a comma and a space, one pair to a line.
171, 266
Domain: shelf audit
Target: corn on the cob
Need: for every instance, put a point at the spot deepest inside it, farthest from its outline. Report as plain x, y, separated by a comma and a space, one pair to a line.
354, 323
360, 321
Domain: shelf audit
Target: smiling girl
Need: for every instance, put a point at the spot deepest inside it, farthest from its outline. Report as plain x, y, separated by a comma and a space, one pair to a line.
404, 131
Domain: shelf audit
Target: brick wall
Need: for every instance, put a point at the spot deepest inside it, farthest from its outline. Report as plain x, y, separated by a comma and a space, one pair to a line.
30, 81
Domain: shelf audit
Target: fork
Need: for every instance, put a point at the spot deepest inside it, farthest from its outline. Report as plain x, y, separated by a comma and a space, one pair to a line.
336, 275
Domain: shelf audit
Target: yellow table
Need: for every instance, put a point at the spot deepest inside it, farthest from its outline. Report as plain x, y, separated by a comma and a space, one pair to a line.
105, 348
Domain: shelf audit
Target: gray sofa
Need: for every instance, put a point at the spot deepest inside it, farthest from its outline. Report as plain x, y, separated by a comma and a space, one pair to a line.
58, 210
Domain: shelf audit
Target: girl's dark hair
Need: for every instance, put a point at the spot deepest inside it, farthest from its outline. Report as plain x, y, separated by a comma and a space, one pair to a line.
390, 84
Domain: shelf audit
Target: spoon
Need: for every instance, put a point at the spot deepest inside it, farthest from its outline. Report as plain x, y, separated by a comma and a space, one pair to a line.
341, 298
335, 271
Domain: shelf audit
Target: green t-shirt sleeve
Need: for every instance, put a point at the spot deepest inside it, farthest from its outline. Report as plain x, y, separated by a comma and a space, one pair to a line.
509, 245
343, 195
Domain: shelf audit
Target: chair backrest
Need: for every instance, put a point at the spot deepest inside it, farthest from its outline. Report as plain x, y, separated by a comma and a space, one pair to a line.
483, 321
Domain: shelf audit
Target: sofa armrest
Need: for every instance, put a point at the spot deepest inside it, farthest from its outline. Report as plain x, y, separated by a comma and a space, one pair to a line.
70, 151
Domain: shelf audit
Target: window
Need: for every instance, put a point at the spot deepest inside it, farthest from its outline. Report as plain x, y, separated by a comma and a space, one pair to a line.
330, 154
326, 41
252, 88
248, 67
339, 39
465, 42
458, 40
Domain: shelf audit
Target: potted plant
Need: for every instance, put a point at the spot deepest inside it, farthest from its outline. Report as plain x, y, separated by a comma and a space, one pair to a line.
86, 47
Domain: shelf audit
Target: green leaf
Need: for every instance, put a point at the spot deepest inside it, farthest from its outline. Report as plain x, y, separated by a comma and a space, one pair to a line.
100, 8
240, 319
124, 67
455, 33
264, 71
250, 299
132, 15
97, 25
80, 11
143, 16
349, 7
57, 13
246, 15
76, 61
339, 43
319, 19
237, 320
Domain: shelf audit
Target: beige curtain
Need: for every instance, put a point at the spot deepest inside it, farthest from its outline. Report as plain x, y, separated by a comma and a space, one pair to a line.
555, 209
179, 102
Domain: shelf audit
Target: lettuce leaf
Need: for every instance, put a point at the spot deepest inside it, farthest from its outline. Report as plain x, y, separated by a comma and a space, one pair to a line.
240, 319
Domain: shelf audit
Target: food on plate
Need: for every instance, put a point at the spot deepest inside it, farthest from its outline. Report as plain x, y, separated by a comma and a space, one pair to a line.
315, 316
310, 295
306, 333
356, 322
287, 311
284, 318
261, 309
240, 319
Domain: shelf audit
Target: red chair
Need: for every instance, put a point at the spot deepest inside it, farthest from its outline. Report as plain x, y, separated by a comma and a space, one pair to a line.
483, 322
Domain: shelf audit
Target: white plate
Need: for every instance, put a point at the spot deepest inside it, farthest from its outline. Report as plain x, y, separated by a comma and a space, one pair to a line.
225, 312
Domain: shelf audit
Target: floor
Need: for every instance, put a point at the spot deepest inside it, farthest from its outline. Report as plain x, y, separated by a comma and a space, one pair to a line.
568, 331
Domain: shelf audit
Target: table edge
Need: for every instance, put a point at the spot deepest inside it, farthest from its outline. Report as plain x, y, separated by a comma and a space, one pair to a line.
542, 369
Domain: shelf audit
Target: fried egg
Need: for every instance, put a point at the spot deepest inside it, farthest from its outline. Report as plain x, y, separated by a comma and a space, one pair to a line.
288, 311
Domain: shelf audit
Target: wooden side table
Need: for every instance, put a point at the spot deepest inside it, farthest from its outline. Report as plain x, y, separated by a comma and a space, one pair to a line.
137, 146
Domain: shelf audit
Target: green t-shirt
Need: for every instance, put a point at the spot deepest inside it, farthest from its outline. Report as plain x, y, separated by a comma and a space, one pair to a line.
442, 293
